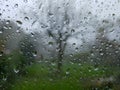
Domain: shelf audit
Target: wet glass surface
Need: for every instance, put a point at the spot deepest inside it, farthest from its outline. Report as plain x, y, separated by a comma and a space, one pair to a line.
59, 45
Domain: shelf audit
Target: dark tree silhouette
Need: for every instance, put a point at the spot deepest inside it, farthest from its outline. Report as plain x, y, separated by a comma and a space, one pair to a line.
61, 33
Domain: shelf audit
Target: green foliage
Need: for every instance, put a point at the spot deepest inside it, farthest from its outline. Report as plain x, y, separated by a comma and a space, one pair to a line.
74, 76
4, 65
11, 67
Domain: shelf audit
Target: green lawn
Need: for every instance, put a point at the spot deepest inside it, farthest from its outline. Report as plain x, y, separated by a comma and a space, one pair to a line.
73, 77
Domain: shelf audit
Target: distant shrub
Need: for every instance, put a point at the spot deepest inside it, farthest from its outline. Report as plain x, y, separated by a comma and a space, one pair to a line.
9, 69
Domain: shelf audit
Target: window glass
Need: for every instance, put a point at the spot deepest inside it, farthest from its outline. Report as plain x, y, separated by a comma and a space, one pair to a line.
59, 45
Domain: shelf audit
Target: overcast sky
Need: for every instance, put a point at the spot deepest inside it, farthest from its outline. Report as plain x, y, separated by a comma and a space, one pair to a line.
103, 8
19, 9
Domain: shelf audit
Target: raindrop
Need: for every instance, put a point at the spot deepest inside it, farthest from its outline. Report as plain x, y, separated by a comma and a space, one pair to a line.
4, 78
101, 54
50, 79
92, 54
10, 27
116, 51
16, 5
1, 32
16, 71
9, 58
19, 22
26, 18
79, 64
50, 14
5, 27
89, 13
53, 64
7, 5
74, 44
25, 1
96, 69
35, 54
67, 73
0, 55
110, 45
8, 22
32, 34
89, 70
50, 43
72, 31
76, 49
18, 31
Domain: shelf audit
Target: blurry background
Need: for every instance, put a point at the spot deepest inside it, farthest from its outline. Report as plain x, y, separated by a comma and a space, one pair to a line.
59, 41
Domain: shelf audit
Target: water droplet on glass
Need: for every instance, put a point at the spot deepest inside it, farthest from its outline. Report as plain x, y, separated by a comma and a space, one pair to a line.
101, 54
7, 5
0, 55
50, 14
32, 34
1, 32
0, 14
50, 43
92, 54
67, 73
74, 44
8, 22
4, 78
96, 69
18, 31
89, 70
10, 27
53, 64
16, 5
35, 54
26, 18
72, 31
19, 22
50, 79
5, 27
15, 70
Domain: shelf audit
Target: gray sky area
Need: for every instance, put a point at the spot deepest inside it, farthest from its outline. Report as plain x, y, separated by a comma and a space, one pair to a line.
104, 7
14, 9
19, 9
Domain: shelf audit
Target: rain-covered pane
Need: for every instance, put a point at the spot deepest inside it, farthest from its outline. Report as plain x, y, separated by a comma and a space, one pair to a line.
59, 44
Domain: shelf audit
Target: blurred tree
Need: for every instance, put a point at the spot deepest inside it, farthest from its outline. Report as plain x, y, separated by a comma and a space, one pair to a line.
60, 30
61, 21
9, 38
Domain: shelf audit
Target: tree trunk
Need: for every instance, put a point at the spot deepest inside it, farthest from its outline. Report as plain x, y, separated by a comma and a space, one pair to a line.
60, 58
60, 54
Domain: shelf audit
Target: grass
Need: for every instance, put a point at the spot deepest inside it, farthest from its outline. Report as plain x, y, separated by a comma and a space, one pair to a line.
73, 77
